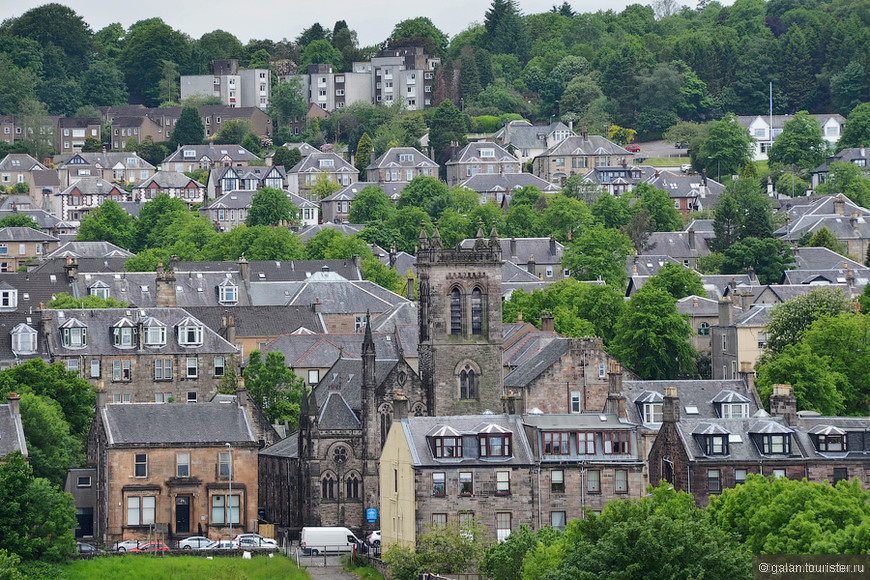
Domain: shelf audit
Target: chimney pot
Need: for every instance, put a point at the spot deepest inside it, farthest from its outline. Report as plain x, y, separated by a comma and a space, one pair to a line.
15, 403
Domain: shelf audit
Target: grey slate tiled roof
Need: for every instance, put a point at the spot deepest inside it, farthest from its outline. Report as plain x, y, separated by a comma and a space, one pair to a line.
24, 234
178, 423
822, 259
782, 292
336, 414
109, 159
20, 162
676, 245
698, 306
391, 159
527, 347
308, 232
523, 135
140, 288
236, 199
700, 226
311, 164
89, 250
471, 154
346, 377
591, 145
336, 294
271, 321
583, 422
393, 189
542, 249
287, 447
511, 272
211, 152
416, 430
276, 270
404, 313
99, 321
746, 449
322, 350
698, 394
11, 432
848, 155
165, 179
647, 264
532, 367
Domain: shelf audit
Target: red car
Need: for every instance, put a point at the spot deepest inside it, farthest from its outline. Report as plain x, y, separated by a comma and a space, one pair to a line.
151, 547
633, 148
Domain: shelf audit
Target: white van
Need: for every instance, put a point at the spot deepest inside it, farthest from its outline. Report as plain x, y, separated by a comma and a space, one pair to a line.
316, 541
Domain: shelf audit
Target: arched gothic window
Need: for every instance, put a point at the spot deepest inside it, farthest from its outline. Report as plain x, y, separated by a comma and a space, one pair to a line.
467, 383
352, 486
476, 311
455, 312
327, 487
386, 413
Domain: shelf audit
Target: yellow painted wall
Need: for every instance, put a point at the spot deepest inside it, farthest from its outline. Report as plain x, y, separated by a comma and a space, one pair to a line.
398, 508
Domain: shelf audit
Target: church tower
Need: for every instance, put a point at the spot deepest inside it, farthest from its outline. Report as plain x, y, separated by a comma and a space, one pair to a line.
460, 312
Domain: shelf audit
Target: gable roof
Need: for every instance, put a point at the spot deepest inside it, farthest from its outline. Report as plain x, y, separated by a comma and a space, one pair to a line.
11, 432
181, 424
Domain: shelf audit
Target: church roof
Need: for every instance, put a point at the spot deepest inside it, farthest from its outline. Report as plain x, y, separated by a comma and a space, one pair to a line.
337, 414
346, 377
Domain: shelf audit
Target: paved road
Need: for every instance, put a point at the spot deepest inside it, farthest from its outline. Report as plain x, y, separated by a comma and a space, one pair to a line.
328, 567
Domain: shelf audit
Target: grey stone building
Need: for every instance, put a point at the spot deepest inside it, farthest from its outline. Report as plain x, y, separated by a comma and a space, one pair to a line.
460, 319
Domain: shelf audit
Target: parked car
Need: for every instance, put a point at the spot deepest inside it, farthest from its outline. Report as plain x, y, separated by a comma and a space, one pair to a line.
151, 547
258, 543
87, 548
257, 540
634, 148
125, 545
194, 543
374, 538
685, 167
222, 545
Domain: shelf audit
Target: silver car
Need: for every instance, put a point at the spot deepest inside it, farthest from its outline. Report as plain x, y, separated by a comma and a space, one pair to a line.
194, 543
125, 545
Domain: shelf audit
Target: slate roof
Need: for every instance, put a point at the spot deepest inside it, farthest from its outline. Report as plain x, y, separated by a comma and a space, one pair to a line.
404, 313
337, 414
591, 145
533, 366
822, 259
523, 135
92, 186
583, 422
539, 248
647, 264
45, 220
11, 432
235, 199
311, 164
167, 179
108, 160
393, 189
783, 292
20, 162
678, 185
24, 234
527, 347
757, 315
140, 288
287, 447
507, 182
744, 450
700, 226
676, 245
181, 424
848, 155
823, 211
270, 321
308, 232
695, 394
345, 377
336, 294
390, 159
211, 152
416, 430
100, 320
698, 306
322, 350
276, 270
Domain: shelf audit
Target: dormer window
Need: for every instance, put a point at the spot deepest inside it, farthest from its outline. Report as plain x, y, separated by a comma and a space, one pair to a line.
778, 444
735, 410
155, 333
714, 444
190, 335
9, 298
24, 339
652, 412
228, 293
324, 163
829, 439
495, 441
100, 289
74, 334
555, 443
123, 334
447, 447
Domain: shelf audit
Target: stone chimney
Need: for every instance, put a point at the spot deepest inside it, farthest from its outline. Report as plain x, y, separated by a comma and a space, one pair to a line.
839, 206
71, 267
231, 330
615, 403
747, 374
853, 220
102, 395
393, 254
691, 238
531, 265
584, 132
241, 393
165, 287
317, 306
671, 406
400, 406
513, 248
724, 312
357, 261
753, 279
552, 246
519, 317
746, 301
784, 403
173, 262
547, 324
14, 404
244, 269
514, 404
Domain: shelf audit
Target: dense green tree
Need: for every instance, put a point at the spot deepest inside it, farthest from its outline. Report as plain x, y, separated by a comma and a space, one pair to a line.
363, 154
678, 281
856, 131
64, 301
448, 125
800, 143
784, 516
420, 27
189, 129
596, 253
168, 90
505, 559
563, 214
795, 77
19, 220
370, 205
727, 148
322, 52
18, 86
145, 48
154, 217
848, 179
233, 131
270, 207
58, 26
311, 34
215, 45
287, 102
847, 87
427, 193
51, 448
768, 257
108, 223
825, 239
92, 145
663, 216
506, 31
792, 318
674, 537
455, 548
275, 389
816, 386
37, 520
742, 212
651, 337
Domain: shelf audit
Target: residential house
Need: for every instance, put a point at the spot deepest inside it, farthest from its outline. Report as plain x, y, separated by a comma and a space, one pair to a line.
22, 296
847, 222
189, 158
498, 188
336, 207
539, 256
234, 86
136, 129
704, 456
72, 131
22, 168
857, 156
298, 125
528, 141
739, 340
173, 184
817, 266
764, 129
683, 247
140, 354
480, 158
401, 164
47, 223
20, 245
702, 314
212, 118
82, 485
304, 148
11, 429
576, 155
117, 167
229, 210
226, 179
689, 193
75, 202
10, 131
318, 166
178, 469
309, 211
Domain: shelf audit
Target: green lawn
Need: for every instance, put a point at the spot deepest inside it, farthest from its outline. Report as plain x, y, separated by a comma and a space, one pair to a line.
665, 161
135, 567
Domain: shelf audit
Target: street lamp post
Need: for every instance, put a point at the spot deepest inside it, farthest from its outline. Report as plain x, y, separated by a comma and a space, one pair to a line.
230, 498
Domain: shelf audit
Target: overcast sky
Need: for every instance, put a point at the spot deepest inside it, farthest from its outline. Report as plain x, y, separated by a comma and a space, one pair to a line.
373, 20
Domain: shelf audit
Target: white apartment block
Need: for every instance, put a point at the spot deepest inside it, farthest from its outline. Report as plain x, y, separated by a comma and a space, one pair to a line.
760, 129
401, 74
236, 87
